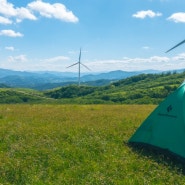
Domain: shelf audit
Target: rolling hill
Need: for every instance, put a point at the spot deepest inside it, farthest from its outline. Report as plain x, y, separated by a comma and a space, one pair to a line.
139, 89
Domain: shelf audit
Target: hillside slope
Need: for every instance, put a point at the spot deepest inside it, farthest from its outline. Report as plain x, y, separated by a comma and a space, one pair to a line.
140, 89
18, 95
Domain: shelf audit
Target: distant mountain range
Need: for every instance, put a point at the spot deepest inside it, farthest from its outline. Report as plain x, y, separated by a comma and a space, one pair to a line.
49, 79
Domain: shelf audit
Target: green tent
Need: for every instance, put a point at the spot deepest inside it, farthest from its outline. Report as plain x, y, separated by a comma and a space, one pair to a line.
165, 126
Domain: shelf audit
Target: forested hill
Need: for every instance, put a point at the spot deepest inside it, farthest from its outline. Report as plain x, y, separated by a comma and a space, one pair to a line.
140, 89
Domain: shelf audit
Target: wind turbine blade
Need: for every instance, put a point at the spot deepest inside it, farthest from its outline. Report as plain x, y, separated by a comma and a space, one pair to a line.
72, 65
176, 46
85, 66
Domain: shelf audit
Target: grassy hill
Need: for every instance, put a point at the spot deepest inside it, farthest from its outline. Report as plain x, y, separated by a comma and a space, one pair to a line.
79, 144
140, 89
19, 95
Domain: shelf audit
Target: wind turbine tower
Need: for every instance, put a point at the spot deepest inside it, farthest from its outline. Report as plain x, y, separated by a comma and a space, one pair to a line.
79, 67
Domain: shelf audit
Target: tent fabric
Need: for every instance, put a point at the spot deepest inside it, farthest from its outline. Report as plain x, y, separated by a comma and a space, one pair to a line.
165, 126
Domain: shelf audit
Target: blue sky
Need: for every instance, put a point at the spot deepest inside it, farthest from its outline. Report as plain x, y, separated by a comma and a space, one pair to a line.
124, 35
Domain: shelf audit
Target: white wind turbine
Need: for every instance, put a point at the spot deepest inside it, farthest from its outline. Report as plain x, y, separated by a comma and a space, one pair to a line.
79, 65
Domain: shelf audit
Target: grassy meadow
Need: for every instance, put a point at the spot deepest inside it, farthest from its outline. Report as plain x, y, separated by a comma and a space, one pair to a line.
78, 144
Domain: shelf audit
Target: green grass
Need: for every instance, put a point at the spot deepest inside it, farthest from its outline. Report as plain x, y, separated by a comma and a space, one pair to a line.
78, 144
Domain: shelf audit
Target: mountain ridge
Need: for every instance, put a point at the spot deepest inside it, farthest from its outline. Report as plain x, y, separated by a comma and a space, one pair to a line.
42, 80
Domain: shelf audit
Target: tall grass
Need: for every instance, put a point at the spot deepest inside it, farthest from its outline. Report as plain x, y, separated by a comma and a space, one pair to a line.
77, 144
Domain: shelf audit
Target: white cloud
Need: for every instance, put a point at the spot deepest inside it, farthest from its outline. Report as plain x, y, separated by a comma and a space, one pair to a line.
177, 17
10, 33
19, 58
148, 13
134, 64
73, 52
59, 63
146, 47
10, 48
57, 11
158, 59
56, 59
179, 57
4, 20
23, 13
77, 52
7, 9
126, 64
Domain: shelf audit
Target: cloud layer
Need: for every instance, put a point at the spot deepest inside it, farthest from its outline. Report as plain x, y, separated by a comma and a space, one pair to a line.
59, 63
19, 58
161, 63
9, 13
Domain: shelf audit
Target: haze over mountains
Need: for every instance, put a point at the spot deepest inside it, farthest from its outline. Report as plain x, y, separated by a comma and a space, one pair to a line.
42, 80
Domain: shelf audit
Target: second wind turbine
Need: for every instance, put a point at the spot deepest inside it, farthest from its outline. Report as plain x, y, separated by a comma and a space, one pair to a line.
79, 65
